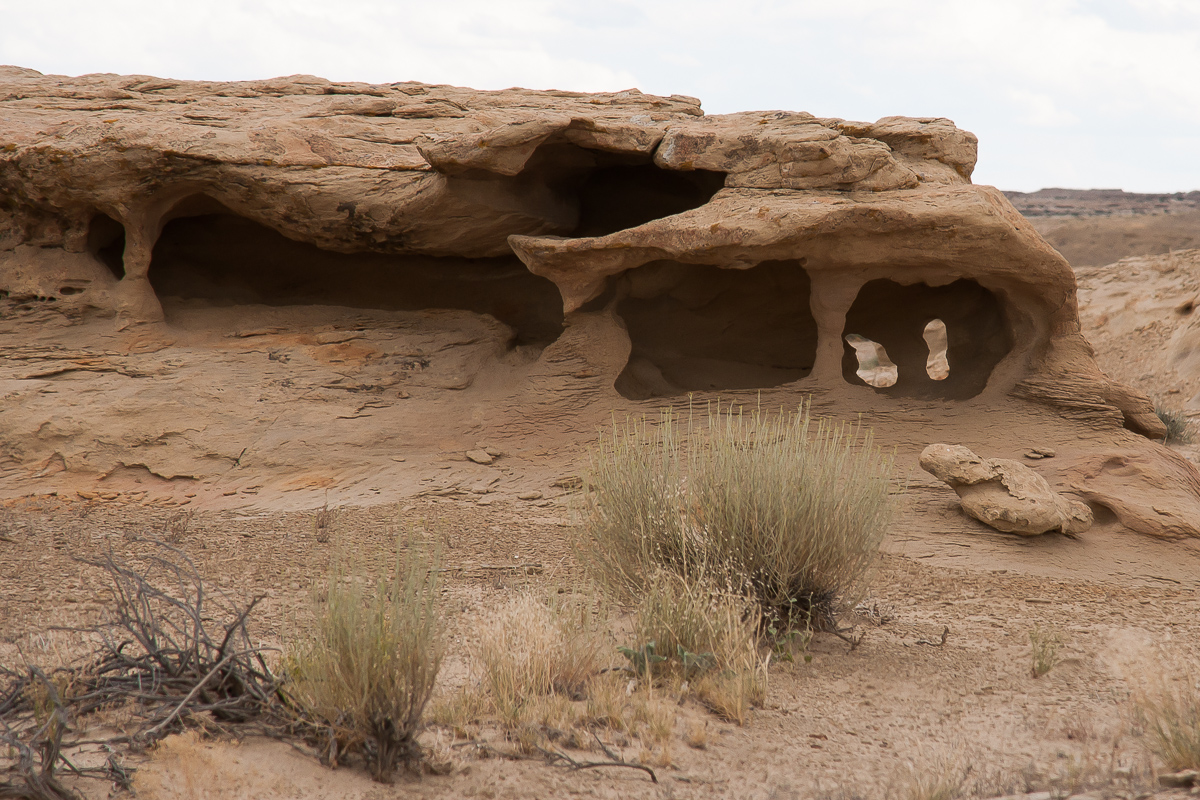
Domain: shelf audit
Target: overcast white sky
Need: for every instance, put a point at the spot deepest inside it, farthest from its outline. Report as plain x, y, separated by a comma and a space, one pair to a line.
1073, 93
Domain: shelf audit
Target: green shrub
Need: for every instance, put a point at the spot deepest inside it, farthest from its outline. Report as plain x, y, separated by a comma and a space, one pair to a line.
782, 510
367, 673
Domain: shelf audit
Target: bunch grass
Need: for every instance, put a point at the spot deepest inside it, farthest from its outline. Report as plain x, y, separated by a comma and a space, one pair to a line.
532, 648
368, 670
1179, 427
1044, 646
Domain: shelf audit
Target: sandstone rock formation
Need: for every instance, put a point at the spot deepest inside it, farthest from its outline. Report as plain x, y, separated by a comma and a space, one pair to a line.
1004, 493
509, 264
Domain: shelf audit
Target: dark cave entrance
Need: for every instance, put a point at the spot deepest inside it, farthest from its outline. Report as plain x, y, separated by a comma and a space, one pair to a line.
106, 242
898, 318
225, 259
602, 193
703, 328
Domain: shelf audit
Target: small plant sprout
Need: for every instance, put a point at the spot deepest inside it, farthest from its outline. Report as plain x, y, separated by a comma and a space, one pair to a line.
176, 527
1045, 645
323, 522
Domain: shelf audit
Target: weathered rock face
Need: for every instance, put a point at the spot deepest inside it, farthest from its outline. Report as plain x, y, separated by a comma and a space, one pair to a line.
1004, 493
615, 248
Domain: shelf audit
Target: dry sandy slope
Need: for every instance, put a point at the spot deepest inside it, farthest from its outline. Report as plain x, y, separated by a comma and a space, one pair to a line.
1140, 314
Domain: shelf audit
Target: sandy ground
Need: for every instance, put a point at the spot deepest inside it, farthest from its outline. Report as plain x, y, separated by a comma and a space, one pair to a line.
845, 723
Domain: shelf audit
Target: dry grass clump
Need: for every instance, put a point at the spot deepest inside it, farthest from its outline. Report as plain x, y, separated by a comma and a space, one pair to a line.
323, 522
531, 649
939, 777
541, 673
784, 511
1170, 715
369, 668
702, 635
605, 706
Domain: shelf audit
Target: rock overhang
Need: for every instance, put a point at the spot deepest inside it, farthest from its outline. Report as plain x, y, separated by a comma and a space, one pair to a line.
614, 200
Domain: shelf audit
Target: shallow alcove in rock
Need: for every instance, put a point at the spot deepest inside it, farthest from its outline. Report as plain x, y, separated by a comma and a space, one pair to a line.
225, 259
106, 242
897, 316
608, 192
703, 328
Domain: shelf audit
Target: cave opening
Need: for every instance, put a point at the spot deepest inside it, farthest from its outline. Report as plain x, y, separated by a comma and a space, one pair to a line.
224, 259
106, 243
943, 340
603, 192
704, 328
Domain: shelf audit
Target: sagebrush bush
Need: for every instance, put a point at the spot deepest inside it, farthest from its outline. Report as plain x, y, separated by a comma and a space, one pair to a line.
370, 665
783, 510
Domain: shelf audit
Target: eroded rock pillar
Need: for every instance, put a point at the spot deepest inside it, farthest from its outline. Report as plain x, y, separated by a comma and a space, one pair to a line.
135, 297
832, 296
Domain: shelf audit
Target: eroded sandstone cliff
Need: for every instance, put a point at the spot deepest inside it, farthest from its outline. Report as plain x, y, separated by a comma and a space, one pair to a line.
512, 264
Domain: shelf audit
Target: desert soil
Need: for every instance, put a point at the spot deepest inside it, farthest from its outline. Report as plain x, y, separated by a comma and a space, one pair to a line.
846, 723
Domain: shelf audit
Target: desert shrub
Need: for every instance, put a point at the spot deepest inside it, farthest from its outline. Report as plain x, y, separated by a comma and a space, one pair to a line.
1171, 717
1178, 426
783, 510
367, 671
530, 648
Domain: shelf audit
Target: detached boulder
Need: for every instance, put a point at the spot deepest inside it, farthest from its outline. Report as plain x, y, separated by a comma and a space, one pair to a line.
1005, 494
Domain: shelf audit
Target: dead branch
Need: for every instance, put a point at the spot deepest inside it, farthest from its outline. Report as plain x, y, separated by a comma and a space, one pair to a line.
169, 650
554, 756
